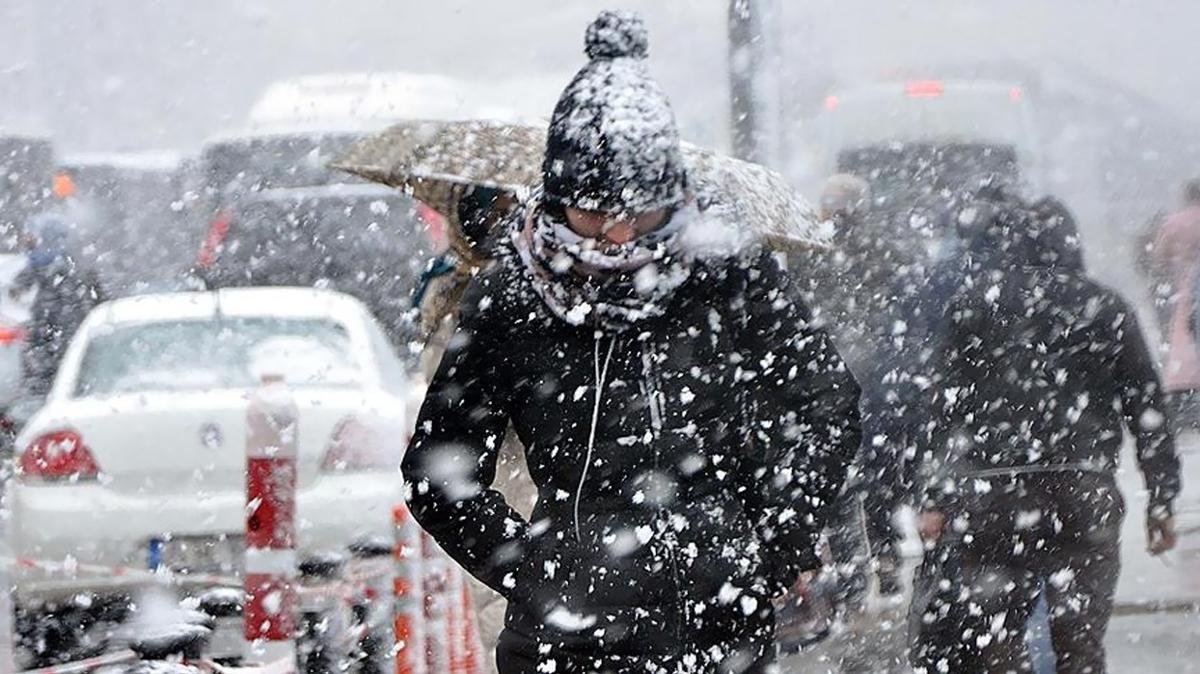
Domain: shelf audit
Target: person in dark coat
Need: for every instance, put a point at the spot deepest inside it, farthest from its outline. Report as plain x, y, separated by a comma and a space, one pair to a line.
685, 424
1042, 371
862, 291
66, 292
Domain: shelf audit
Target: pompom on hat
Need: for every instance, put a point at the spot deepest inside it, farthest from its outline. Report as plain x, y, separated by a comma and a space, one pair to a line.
613, 145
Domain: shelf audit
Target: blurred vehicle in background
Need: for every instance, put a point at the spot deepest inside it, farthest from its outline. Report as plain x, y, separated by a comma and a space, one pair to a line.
374, 100
229, 176
238, 164
128, 209
176, 369
268, 211
26, 167
363, 240
14, 314
921, 144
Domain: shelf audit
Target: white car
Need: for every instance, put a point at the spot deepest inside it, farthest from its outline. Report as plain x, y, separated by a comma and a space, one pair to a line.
138, 457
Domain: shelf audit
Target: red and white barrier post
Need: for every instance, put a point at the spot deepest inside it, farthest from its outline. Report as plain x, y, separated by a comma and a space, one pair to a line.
7, 637
436, 568
467, 648
271, 575
409, 594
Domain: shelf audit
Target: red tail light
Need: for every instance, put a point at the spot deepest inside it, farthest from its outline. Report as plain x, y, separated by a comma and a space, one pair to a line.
217, 231
10, 336
831, 102
356, 446
924, 89
59, 455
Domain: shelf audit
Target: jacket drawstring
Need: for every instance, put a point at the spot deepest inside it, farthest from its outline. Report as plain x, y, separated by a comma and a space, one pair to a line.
601, 380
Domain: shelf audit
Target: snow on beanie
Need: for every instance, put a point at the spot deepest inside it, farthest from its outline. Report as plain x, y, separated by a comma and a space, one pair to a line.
613, 145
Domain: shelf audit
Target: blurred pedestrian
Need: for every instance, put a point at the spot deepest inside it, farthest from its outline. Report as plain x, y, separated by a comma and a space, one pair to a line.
861, 295
684, 422
66, 292
1177, 251
1149, 267
1042, 371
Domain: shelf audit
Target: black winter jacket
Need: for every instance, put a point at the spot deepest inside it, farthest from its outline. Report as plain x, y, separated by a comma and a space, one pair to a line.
683, 466
1043, 368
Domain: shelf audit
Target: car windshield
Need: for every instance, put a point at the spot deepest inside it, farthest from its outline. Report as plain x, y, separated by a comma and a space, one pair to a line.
197, 355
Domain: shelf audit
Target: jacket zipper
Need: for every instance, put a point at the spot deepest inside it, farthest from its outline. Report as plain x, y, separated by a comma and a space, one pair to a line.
652, 391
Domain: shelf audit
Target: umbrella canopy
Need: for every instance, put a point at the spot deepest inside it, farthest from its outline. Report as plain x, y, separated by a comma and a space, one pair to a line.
438, 161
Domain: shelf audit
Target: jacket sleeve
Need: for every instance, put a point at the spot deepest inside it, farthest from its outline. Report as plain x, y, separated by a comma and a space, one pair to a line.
1146, 417
450, 464
803, 422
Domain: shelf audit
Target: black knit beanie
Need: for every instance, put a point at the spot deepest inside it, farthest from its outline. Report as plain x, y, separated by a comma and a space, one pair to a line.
613, 145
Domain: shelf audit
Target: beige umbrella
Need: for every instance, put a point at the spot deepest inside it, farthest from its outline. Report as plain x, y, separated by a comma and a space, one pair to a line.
437, 161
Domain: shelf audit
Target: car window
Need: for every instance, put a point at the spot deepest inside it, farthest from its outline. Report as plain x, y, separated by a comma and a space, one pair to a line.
196, 355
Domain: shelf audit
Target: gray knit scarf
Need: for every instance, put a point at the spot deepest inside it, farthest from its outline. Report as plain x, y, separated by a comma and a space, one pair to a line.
609, 287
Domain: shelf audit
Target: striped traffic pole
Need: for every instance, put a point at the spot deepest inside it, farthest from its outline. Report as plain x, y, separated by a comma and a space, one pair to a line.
438, 640
471, 655
270, 580
409, 594
372, 573
7, 637
452, 600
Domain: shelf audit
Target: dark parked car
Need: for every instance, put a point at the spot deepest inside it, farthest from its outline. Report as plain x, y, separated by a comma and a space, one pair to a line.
364, 240
129, 211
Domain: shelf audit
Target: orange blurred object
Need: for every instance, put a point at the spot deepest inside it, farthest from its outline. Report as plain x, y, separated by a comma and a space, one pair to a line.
64, 185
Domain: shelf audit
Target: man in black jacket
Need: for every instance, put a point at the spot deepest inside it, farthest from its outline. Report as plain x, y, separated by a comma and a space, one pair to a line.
1041, 371
685, 424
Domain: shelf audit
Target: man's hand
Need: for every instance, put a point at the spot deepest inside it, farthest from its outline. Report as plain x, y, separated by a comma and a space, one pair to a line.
1160, 534
930, 525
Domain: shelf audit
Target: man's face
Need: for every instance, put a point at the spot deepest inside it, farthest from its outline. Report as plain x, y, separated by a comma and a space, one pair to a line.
614, 229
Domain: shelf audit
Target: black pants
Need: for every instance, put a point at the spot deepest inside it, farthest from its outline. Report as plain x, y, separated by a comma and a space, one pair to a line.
974, 593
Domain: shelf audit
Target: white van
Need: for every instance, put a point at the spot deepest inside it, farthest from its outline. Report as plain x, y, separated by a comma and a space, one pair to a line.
368, 101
